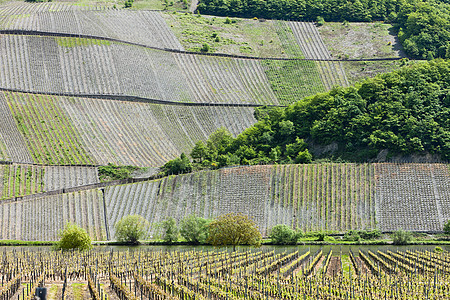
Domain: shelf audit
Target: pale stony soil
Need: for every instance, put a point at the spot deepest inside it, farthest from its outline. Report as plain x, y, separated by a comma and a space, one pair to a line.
360, 40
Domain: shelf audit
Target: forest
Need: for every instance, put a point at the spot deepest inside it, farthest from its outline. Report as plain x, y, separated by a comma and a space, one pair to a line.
422, 26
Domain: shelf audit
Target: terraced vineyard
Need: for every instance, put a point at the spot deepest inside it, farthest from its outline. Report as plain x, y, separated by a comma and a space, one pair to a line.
313, 197
85, 131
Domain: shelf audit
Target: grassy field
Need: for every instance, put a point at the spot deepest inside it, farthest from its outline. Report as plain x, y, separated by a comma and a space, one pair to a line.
360, 40
223, 35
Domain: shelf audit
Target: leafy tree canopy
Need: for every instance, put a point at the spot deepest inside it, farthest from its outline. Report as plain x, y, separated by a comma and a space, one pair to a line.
73, 237
234, 229
194, 229
131, 229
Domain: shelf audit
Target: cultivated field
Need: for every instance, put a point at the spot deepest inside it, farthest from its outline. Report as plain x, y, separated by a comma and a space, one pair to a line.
333, 197
252, 274
86, 131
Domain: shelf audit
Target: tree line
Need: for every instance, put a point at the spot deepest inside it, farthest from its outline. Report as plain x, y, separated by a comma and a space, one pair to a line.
423, 26
405, 112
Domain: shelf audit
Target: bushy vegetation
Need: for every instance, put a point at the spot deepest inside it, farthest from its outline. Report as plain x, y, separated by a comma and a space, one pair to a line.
284, 235
423, 26
357, 235
73, 237
113, 172
169, 230
401, 237
234, 229
447, 228
131, 229
405, 112
194, 229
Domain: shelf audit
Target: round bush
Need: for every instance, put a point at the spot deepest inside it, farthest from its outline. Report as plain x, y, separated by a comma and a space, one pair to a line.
73, 237
131, 229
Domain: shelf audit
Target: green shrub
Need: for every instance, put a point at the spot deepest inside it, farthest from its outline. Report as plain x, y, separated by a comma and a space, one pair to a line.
114, 172
284, 235
73, 237
131, 229
205, 47
447, 228
169, 230
438, 249
401, 237
194, 229
320, 21
352, 235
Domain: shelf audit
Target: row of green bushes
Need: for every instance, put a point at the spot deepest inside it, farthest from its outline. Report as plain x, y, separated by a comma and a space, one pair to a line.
423, 26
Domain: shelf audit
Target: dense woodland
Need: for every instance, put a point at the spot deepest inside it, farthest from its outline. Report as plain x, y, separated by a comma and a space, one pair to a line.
406, 112
423, 26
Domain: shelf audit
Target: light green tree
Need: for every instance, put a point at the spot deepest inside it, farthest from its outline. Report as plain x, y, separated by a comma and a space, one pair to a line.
73, 237
131, 229
234, 229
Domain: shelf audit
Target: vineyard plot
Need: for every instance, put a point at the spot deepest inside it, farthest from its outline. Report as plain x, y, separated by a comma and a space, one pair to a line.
21, 180
335, 197
50, 136
58, 178
412, 196
41, 219
12, 142
226, 80
130, 133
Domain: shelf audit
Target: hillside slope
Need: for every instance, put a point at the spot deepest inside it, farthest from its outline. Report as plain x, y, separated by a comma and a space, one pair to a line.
86, 131
335, 197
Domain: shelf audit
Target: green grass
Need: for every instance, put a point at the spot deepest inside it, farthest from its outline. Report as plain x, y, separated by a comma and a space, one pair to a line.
236, 36
70, 42
78, 290
293, 80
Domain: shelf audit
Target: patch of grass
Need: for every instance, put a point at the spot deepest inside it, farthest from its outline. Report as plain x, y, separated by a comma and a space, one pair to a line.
360, 40
113, 172
359, 70
78, 290
293, 80
25, 243
231, 36
69, 42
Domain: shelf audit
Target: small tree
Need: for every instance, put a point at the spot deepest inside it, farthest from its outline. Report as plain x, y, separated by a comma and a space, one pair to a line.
234, 229
401, 237
194, 229
284, 235
447, 228
131, 229
169, 229
73, 237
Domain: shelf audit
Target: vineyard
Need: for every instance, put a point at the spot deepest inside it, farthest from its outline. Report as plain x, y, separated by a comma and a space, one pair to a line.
85, 131
41, 218
251, 274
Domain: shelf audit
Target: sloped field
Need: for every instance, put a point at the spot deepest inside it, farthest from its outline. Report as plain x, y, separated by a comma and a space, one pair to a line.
335, 197
413, 196
84, 131
19, 180
20, 9
40, 219
313, 197
141, 27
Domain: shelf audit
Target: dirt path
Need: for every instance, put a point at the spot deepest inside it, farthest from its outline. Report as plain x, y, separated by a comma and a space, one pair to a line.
334, 267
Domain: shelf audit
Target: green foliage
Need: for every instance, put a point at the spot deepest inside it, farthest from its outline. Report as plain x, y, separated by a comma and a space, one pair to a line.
178, 165
113, 172
234, 229
205, 47
131, 229
284, 235
357, 235
424, 26
169, 230
194, 229
447, 228
438, 249
73, 237
401, 237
